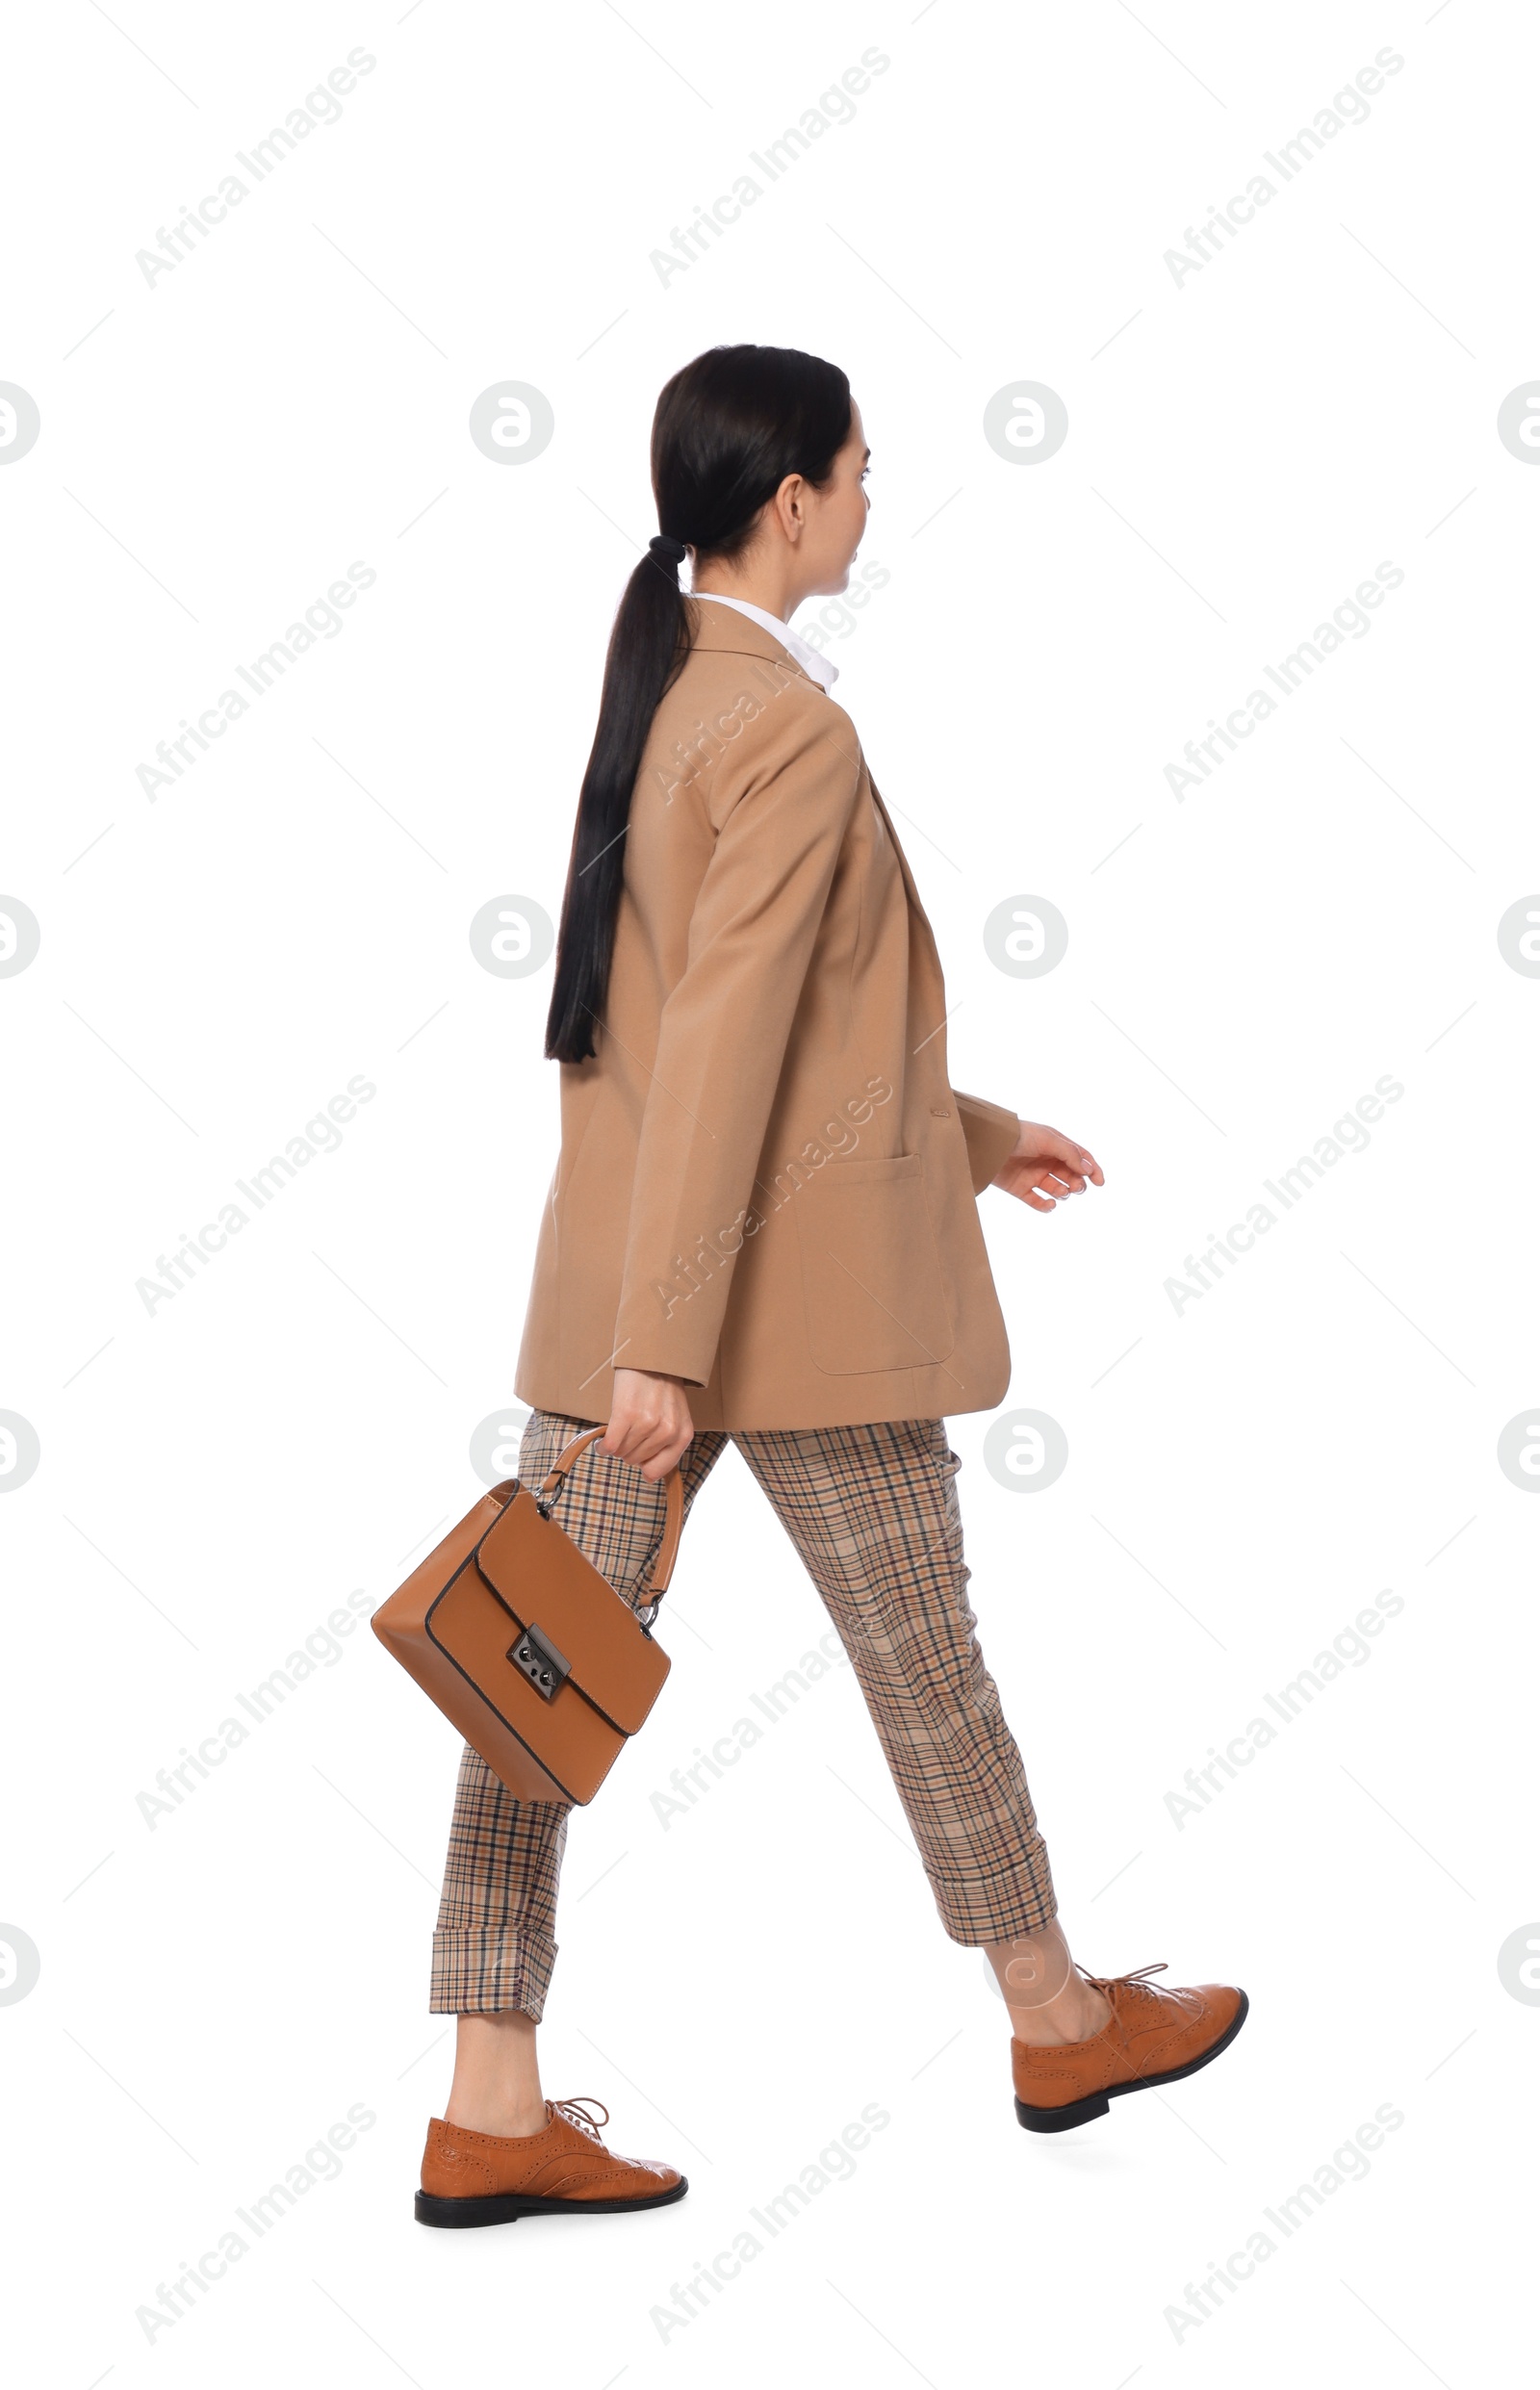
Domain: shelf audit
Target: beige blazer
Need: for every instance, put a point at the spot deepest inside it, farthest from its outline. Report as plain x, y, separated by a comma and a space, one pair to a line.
766, 1186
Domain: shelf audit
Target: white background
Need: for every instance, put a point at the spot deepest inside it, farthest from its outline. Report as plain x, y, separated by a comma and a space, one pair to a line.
1245, 1474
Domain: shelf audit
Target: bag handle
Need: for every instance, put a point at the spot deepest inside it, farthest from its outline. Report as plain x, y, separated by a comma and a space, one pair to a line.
673, 1522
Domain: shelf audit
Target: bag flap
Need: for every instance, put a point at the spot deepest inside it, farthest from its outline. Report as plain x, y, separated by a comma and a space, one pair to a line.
542, 1579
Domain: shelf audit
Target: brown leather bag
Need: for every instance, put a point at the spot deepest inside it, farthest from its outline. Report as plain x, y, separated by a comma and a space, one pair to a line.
544, 1668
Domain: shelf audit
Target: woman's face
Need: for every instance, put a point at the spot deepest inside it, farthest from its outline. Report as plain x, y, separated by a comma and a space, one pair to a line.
835, 517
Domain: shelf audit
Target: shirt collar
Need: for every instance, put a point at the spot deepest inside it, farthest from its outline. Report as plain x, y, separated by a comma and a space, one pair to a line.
819, 666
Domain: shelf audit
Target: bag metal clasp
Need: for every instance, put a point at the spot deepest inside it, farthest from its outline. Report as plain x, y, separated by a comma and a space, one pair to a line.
536, 1657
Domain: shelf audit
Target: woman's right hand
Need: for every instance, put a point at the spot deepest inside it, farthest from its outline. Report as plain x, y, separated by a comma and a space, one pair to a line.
649, 1423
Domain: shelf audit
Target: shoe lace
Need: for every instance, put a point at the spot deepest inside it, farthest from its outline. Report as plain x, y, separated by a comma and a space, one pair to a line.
576, 2112
1136, 1979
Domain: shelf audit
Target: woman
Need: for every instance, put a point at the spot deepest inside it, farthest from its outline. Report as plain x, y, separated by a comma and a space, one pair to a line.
763, 1226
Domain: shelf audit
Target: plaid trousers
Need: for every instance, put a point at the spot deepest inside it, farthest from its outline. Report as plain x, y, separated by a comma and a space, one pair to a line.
873, 1514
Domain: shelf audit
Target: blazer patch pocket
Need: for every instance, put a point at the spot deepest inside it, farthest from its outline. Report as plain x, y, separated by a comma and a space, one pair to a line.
871, 1271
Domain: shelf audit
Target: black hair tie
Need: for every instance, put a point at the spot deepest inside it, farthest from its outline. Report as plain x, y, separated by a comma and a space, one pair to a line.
668, 551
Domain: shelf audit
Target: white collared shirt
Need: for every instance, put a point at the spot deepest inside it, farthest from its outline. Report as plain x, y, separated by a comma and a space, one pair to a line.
825, 673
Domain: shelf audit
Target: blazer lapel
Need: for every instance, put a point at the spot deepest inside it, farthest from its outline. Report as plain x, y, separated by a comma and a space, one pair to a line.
722, 628
930, 984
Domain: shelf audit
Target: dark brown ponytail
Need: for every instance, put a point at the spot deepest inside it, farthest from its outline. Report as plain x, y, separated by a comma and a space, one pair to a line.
728, 430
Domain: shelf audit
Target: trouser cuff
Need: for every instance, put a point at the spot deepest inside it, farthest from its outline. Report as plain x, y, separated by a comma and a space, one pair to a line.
480, 1971
976, 1910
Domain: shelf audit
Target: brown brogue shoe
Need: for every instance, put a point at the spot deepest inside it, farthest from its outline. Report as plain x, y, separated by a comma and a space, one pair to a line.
1153, 2036
480, 2178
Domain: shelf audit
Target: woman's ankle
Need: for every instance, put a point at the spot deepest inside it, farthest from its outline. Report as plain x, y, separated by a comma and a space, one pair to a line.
1050, 2001
495, 2087
504, 2118
1079, 2014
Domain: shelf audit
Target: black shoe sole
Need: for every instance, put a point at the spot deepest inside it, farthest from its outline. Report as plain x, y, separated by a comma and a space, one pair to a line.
1085, 2111
506, 2207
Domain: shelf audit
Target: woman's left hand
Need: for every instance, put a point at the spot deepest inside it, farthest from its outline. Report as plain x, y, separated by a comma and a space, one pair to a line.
1045, 1167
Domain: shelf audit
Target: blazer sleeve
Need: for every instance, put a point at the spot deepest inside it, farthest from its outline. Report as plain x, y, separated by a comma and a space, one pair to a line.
781, 815
992, 1131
